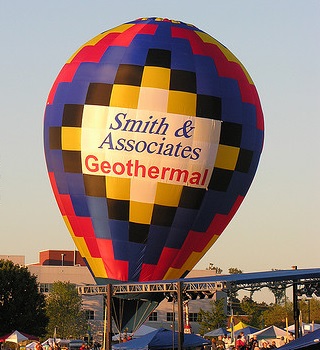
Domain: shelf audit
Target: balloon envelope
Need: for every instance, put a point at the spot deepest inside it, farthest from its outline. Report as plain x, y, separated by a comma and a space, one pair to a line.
153, 131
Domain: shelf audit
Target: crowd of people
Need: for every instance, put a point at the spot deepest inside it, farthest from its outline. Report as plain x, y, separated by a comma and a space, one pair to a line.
47, 346
242, 343
56, 346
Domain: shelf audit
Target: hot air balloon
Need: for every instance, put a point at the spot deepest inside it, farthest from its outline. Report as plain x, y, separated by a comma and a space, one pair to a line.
153, 132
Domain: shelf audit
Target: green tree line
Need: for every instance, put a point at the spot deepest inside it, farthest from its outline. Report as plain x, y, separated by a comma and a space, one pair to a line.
259, 315
23, 307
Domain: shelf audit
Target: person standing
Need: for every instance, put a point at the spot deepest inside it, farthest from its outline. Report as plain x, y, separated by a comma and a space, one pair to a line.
227, 341
38, 346
273, 345
220, 344
244, 341
253, 343
213, 344
282, 341
239, 343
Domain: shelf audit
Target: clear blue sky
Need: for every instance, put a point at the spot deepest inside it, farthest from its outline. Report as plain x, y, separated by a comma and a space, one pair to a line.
277, 225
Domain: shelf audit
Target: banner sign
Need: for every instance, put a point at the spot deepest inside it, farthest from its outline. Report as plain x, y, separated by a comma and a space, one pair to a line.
129, 143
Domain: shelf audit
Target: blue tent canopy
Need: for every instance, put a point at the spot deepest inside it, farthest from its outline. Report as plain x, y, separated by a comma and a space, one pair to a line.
246, 331
162, 339
217, 332
310, 341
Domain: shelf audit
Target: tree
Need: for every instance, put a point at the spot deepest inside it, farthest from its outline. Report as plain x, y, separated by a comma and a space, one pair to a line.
277, 315
253, 311
216, 268
234, 271
212, 319
65, 312
233, 300
310, 309
278, 289
22, 306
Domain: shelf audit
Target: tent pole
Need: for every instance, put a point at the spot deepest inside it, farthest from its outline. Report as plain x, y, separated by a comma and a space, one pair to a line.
180, 316
296, 311
173, 323
104, 322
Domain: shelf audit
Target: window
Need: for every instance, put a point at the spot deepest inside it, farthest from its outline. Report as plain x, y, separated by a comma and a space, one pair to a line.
153, 316
193, 317
90, 314
45, 287
170, 316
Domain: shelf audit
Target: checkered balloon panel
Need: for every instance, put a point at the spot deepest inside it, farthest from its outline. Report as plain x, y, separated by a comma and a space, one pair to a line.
128, 120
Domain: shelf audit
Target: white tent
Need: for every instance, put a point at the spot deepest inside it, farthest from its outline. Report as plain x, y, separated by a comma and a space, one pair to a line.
306, 327
140, 332
31, 346
16, 337
271, 332
51, 341
143, 330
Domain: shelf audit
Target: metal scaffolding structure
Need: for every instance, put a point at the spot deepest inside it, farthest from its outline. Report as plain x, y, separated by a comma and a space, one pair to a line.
153, 287
302, 281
